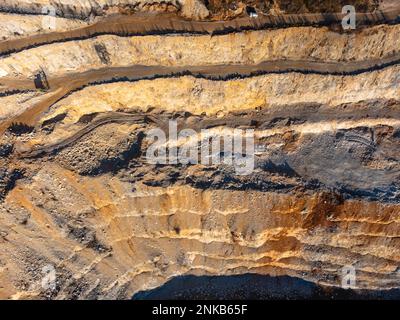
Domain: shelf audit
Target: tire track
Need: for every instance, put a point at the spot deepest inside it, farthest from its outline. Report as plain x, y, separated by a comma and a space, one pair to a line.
254, 120
112, 117
64, 85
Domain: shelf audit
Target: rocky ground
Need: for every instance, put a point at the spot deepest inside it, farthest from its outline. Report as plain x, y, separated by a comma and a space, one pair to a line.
79, 196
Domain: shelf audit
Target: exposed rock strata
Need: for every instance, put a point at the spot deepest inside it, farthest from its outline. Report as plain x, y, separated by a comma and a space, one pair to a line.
78, 193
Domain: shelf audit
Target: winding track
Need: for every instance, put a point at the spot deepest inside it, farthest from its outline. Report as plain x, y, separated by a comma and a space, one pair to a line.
255, 120
111, 117
64, 85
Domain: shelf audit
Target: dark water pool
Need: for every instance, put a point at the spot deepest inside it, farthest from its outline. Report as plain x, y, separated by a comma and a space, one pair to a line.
253, 286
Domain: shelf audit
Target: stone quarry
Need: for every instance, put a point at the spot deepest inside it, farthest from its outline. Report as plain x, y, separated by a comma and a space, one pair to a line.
79, 196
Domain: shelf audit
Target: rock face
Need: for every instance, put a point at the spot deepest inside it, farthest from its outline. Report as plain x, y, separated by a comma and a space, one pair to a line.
310, 196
